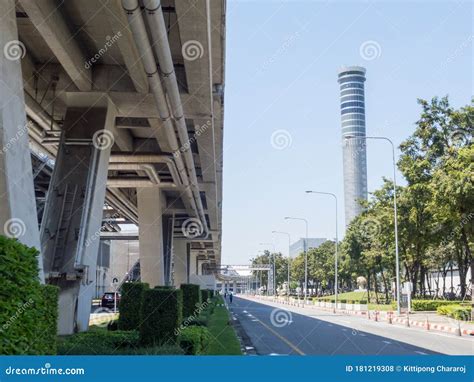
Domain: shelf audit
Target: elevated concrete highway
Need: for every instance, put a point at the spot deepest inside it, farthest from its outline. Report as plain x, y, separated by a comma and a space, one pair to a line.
112, 114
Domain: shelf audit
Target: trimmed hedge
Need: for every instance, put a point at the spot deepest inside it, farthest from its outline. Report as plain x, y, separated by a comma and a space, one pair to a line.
28, 310
161, 315
130, 305
97, 341
191, 299
458, 312
194, 340
430, 305
47, 326
204, 295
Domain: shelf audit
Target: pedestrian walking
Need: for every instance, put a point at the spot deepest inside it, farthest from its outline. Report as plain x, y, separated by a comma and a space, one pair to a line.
230, 297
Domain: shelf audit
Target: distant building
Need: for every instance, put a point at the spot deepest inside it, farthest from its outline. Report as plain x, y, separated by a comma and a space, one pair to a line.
298, 247
352, 97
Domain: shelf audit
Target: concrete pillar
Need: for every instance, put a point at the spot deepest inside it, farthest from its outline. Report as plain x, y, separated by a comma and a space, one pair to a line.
70, 230
180, 262
150, 232
192, 264
18, 217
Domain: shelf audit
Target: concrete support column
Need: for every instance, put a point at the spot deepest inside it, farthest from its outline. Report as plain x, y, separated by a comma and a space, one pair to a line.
192, 264
180, 262
150, 220
18, 216
71, 225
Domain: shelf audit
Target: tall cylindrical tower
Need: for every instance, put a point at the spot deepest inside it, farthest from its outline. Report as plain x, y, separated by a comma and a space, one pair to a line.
351, 81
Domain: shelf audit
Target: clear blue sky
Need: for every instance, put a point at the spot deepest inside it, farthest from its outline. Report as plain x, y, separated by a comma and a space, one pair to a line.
281, 73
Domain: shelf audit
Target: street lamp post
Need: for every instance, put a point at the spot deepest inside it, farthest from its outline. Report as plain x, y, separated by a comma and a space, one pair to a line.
305, 255
289, 245
397, 262
274, 267
336, 255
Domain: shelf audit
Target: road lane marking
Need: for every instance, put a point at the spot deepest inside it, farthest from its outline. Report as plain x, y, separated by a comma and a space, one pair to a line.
420, 352
291, 345
387, 342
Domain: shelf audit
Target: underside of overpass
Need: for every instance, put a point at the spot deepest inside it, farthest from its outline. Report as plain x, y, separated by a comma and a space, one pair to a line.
112, 115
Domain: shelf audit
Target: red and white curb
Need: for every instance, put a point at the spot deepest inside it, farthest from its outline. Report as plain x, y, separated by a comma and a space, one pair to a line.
387, 316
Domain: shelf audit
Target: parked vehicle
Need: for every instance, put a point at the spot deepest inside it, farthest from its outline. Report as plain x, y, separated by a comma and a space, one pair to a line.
108, 300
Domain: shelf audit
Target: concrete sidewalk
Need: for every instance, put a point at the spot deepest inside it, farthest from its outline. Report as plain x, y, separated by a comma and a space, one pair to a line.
425, 320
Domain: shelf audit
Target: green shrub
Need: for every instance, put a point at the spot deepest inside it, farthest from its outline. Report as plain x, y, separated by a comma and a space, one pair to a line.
429, 305
191, 299
343, 301
130, 305
204, 295
47, 326
194, 340
363, 302
98, 341
458, 312
161, 315
28, 310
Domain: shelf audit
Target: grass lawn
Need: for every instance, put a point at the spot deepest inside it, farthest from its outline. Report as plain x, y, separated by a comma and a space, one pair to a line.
224, 340
381, 307
357, 296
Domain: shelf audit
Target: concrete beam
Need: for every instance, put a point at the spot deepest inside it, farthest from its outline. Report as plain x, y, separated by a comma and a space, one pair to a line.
47, 18
119, 24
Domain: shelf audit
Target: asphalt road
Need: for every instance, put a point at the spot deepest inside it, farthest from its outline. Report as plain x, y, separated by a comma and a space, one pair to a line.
279, 330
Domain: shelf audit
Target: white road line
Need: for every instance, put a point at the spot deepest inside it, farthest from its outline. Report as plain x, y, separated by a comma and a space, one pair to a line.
420, 352
387, 342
